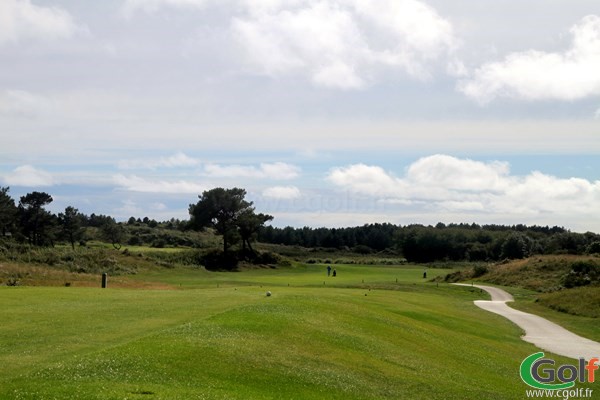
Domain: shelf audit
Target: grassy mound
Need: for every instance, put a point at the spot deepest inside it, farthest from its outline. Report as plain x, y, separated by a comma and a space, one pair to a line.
546, 273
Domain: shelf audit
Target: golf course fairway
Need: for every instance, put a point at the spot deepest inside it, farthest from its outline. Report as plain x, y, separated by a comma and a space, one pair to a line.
374, 333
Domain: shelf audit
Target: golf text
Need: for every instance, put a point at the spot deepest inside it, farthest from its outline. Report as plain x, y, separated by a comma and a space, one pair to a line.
540, 372
564, 394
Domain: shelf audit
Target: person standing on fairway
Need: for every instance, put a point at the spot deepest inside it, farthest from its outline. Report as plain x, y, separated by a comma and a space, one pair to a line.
328, 270
334, 272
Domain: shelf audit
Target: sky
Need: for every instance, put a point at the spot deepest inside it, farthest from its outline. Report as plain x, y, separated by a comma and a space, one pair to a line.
328, 112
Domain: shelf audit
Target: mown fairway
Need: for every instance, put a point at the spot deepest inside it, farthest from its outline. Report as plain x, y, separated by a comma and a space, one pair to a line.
222, 338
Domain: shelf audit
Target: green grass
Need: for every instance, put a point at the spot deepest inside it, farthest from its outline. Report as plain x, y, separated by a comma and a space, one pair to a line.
537, 283
582, 301
380, 339
536, 303
313, 275
578, 302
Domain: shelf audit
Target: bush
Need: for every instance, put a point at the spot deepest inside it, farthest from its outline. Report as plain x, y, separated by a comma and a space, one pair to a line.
13, 281
216, 260
582, 273
479, 270
267, 258
362, 249
593, 248
135, 241
159, 243
456, 276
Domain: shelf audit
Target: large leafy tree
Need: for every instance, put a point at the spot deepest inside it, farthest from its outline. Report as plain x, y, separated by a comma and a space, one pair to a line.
8, 211
248, 225
71, 224
220, 209
516, 246
228, 213
113, 232
36, 222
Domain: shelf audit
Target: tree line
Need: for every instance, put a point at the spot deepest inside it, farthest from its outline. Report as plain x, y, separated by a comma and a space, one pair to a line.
28, 221
452, 242
226, 211
230, 215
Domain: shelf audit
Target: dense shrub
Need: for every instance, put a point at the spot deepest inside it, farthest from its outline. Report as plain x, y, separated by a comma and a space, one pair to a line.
80, 260
267, 258
582, 273
362, 249
593, 248
217, 260
479, 270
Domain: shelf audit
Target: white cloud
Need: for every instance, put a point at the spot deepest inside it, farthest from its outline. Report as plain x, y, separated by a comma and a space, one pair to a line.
159, 206
139, 208
28, 176
278, 171
449, 184
135, 183
177, 160
129, 207
406, 33
19, 19
537, 75
332, 43
282, 192
345, 44
458, 174
367, 179
130, 7
24, 104
319, 40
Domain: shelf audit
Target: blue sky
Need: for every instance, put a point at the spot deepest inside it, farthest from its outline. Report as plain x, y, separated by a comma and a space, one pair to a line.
329, 112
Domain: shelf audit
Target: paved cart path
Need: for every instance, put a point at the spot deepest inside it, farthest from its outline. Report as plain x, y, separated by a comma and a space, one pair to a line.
539, 331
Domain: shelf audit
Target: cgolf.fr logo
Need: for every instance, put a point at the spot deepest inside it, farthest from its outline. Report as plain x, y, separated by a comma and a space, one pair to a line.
539, 372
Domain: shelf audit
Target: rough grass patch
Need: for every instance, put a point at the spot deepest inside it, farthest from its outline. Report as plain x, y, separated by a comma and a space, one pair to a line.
583, 301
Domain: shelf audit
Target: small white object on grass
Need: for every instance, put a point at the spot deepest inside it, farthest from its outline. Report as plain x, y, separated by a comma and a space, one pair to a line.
268, 293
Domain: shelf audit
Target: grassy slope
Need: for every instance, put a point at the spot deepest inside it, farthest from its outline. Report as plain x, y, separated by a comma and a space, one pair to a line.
535, 284
307, 341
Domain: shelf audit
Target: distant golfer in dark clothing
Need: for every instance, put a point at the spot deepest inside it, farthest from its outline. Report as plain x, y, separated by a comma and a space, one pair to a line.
328, 270
334, 272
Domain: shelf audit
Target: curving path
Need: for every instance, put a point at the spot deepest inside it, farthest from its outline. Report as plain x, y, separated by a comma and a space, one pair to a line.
539, 331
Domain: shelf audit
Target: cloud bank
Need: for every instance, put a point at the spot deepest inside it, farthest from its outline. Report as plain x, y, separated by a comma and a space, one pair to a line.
131, 7
190, 176
448, 184
537, 75
281, 193
277, 171
28, 176
177, 160
332, 43
134, 183
19, 20
346, 45
21, 103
